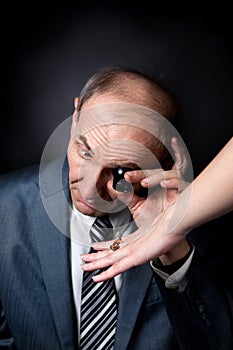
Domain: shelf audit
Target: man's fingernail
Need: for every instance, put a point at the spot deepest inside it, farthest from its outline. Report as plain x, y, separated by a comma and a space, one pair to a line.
144, 182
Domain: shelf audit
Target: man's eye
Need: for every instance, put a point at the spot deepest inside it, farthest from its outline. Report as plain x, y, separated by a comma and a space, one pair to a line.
85, 154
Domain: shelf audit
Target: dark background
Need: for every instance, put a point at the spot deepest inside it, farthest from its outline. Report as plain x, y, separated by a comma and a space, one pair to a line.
48, 52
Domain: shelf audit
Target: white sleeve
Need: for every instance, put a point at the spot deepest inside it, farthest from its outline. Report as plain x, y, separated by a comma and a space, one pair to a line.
179, 279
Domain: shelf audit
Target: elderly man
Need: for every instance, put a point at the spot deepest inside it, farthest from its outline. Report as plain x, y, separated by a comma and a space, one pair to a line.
123, 121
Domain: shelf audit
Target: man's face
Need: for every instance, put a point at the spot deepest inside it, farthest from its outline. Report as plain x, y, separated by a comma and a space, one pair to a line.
96, 149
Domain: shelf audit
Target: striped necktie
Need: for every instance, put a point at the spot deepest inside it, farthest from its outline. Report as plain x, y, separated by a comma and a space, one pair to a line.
98, 302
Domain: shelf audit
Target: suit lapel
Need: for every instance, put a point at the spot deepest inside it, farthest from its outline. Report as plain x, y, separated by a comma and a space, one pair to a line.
135, 283
54, 253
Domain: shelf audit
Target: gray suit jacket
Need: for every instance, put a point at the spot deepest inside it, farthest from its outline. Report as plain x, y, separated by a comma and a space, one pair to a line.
36, 289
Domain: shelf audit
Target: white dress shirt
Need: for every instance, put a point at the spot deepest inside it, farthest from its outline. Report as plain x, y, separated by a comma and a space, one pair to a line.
80, 226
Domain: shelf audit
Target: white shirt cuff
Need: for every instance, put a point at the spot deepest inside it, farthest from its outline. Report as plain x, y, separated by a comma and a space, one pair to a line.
179, 279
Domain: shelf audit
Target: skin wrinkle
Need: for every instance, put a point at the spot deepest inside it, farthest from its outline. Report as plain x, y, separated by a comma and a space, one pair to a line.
124, 114
110, 150
105, 143
100, 135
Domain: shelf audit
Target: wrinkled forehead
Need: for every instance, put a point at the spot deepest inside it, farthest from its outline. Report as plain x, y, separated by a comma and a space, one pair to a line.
122, 116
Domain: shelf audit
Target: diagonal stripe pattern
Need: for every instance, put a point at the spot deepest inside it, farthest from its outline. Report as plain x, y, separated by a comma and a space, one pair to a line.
101, 229
98, 303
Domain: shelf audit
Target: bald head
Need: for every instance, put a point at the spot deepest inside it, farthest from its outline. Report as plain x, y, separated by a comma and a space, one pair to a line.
132, 86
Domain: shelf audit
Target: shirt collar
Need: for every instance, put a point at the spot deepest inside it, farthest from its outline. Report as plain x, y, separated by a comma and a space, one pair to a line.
81, 225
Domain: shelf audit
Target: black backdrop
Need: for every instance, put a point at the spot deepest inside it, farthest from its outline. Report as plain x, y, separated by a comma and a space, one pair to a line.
48, 52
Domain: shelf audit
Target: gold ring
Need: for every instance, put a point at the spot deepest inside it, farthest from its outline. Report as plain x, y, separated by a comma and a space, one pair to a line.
116, 244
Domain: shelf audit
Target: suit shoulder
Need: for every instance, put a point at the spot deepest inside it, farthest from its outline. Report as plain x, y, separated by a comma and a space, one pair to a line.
20, 185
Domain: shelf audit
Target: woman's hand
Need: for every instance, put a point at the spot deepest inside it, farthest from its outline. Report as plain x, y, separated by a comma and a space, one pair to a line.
138, 248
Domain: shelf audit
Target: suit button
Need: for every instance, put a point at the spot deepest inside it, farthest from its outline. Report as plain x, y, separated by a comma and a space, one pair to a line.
201, 308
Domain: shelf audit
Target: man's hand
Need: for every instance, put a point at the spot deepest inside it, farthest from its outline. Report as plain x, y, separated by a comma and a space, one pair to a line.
162, 186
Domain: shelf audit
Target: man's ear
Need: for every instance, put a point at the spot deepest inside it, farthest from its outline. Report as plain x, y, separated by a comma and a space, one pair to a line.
75, 114
75, 110
76, 102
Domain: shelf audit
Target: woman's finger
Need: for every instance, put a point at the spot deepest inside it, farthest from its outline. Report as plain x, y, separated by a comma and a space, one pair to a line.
123, 265
101, 260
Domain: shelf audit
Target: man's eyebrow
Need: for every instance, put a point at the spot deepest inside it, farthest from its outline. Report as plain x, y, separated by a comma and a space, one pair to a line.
84, 140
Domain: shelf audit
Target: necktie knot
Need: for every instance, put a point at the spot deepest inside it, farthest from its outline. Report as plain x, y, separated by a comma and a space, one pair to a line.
101, 229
